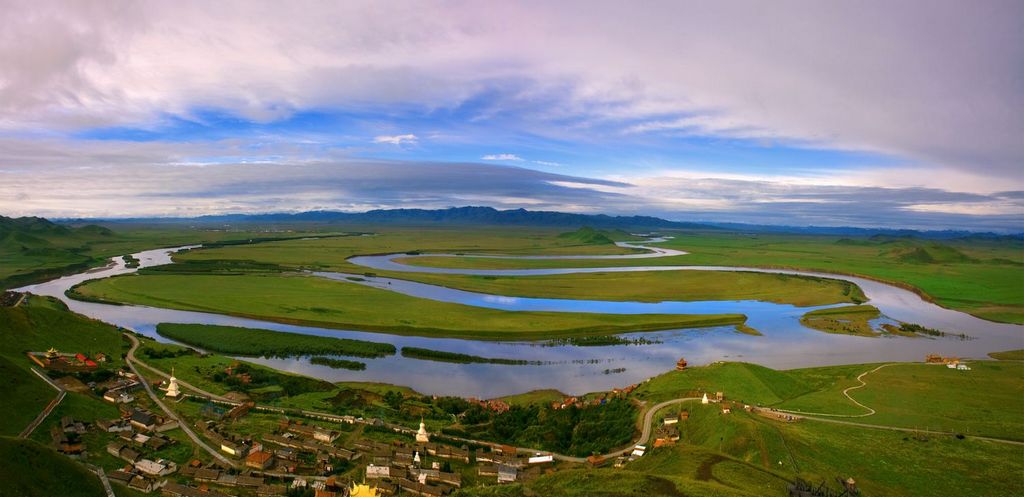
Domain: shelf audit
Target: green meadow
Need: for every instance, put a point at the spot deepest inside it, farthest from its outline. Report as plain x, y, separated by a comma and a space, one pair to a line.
267, 343
658, 286
982, 277
313, 301
34, 249
846, 320
987, 400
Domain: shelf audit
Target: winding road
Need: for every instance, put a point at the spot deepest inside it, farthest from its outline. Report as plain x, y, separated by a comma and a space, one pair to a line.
131, 361
846, 393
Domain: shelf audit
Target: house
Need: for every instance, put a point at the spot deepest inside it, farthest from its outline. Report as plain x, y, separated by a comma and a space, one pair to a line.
179, 490
249, 481
113, 425
374, 472
639, 450
114, 448
271, 490
259, 460
325, 435
487, 470
417, 488
118, 396
69, 425
507, 474
144, 484
234, 449
670, 420
121, 476
540, 459
144, 420
207, 474
452, 479
160, 467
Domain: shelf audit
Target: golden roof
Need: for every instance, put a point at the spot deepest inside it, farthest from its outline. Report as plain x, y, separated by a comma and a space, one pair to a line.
363, 490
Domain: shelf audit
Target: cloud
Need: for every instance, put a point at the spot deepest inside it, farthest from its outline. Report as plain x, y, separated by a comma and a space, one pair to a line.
504, 157
123, 179
936, 82
934, 86
396, 139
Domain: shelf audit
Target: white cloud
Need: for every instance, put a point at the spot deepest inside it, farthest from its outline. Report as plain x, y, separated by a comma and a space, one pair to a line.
395, 139
935, 81
546, 163
503, 157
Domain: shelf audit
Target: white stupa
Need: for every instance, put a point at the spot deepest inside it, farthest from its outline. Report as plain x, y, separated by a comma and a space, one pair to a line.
421, 435
172, 386
704, 400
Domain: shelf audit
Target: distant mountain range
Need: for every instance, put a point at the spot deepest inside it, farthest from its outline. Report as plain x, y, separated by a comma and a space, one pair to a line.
488, 216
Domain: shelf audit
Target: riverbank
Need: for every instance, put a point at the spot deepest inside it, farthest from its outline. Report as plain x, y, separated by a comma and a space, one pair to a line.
318, 302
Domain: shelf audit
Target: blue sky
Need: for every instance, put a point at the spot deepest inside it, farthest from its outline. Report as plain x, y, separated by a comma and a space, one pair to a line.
866, 114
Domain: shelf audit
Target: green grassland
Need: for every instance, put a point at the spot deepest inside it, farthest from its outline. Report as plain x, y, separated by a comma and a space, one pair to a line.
330, 254
607, 482
985, 401
846, 320
545, 396
981, 277
658, 286
33, 470
308, 300
36, 325
256, 342
1008, 355
749, 452
34, 249
455, 357
25, 395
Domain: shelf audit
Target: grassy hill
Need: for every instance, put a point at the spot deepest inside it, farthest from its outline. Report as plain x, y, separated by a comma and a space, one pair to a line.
33, 248
32, 470
590, 236
749, 383
36, 325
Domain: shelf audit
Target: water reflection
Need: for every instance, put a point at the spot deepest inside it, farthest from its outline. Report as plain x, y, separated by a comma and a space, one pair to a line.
576, 370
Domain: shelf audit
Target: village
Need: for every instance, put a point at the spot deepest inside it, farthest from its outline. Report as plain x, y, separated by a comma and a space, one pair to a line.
174, 442
290, 453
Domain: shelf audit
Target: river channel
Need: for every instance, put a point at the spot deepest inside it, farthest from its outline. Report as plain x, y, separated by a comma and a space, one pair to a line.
785, 343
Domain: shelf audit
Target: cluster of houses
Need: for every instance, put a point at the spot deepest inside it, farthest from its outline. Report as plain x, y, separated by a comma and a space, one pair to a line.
141, 472
950, 362
497, 406
64, 362
578, 402
119, 389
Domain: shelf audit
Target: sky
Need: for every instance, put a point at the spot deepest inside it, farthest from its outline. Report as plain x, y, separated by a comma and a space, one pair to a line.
873, 113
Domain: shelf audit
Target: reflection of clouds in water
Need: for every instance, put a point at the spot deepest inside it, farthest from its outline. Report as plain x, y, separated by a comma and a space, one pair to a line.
576, 370
499, 299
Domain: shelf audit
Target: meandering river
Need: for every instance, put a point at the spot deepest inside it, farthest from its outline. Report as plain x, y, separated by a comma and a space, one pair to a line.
575, 370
